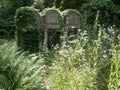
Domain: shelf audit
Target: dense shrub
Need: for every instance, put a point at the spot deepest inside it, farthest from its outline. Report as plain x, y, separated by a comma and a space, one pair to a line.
38, 4
109, 12
7, 12
28, 25
48, 3
72, 4
114, 77
79, 65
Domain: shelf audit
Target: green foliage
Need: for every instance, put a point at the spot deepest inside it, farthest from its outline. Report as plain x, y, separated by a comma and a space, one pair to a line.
19, 71
28, 25
38, 4
85, 65
57, 3
109, 12
48, 3
72, 4
25, 16
91, 61
2, 41
7, 12
64, 4
114, 77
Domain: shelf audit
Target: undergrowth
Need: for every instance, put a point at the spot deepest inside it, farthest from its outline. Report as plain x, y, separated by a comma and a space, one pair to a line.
20, 71
86, 64
80, 64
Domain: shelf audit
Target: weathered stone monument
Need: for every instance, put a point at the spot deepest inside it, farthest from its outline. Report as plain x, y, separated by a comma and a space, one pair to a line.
35, 30
72, 21
52, 23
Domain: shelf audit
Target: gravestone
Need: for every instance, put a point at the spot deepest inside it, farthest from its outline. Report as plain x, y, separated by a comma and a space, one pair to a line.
52, 22
72, 22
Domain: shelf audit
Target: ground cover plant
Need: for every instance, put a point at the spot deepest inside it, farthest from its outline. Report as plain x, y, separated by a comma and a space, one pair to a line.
18, 70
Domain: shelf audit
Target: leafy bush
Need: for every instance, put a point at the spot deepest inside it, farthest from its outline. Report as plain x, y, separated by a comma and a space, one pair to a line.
109, 12
114, 77
19, 71
2, 41
71, 4
7, 12
38, 4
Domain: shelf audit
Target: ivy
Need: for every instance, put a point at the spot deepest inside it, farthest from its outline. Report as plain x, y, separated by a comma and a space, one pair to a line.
29, 33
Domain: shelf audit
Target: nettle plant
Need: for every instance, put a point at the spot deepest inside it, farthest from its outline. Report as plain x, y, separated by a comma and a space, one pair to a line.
28, 25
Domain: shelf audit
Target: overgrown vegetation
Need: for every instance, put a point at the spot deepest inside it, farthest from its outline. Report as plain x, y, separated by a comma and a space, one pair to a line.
84, 64
18, 70
87, 66
7, 13
109, 12
89, 61
29, 31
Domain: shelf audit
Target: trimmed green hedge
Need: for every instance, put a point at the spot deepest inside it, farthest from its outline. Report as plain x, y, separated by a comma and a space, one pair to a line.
29, 33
